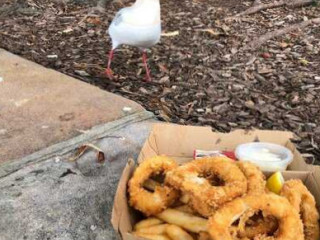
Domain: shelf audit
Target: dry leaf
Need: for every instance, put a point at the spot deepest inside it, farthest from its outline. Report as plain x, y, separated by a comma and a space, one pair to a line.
101, 157
303, 61
93, 20
82, 149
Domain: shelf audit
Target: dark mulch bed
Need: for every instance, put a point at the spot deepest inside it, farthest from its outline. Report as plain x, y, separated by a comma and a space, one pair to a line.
204, 75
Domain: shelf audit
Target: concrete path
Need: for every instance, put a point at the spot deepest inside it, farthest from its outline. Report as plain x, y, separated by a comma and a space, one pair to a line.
40, 107
55, 199
44, 117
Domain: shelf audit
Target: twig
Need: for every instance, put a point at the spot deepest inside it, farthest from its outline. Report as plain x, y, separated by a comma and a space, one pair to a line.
259, 7
256, 43
256, 2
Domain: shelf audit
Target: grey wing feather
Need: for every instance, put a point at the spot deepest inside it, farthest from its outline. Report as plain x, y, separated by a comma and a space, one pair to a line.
118, 18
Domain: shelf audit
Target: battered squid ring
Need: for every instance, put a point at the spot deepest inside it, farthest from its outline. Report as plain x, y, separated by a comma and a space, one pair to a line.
250, 229
255, 177
303, 201
204, 198
151, 203
290, 225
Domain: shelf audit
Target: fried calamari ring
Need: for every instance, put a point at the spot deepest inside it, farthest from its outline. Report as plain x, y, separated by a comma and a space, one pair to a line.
290, 225
151, 203
255, 177
195, 180
260, 225
303, 201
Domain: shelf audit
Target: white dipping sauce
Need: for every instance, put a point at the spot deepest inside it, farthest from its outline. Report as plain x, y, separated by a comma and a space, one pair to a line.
265, 155
268, 156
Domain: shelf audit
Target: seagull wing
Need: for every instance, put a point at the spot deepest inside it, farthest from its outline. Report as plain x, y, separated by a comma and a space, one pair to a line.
118, 19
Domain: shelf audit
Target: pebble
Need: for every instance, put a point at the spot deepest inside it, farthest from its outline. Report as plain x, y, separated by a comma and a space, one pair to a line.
91, 33
57, 159
127, 109
3, 131
52, 56
82, 73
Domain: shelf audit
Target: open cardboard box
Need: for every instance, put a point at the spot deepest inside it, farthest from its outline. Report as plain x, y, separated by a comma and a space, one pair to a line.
179, 142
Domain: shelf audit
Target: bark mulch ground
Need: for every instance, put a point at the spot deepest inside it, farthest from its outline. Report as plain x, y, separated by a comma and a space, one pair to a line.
210, 68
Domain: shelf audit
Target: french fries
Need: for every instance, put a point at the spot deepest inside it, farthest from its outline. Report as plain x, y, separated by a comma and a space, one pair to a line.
204, 236
147, 223
157, 229
151, 236
185, 220
173, 224
185, 208
177, 233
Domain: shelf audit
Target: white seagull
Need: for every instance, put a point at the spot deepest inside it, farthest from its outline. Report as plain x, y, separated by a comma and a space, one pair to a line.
138, 26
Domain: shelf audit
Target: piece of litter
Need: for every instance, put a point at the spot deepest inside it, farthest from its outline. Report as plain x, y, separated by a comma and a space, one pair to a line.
1, 79
57, 159
3, 131
52, 56
21, 102
127, 109
82, 73
93, 227
67, 30
170, 34
44, 127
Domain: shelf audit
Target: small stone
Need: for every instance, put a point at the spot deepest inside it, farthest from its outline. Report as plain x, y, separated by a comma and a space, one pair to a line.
309, 48
317, 78
67, 30
283, 44
57, 159
238, 87
227, 57
82, 73
127, 109
281, 56
226, 74
234, 50
200, 110
91, 33
266, 55
93, 227
52, 56
3, 131
249, 104
143, 90
279, 23
164, 79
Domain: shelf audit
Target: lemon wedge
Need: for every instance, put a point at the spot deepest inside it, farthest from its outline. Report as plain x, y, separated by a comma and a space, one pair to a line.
275, 182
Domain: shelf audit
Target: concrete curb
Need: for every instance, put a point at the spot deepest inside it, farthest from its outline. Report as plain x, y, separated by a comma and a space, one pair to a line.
64, 147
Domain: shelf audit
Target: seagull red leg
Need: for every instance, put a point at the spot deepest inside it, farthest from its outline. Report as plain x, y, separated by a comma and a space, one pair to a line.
144, 57
108, 70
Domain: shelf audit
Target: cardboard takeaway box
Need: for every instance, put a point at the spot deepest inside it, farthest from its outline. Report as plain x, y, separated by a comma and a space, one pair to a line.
179, 142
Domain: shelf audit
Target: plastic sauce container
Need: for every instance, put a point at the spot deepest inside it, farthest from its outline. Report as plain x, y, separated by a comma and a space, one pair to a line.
268, 156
